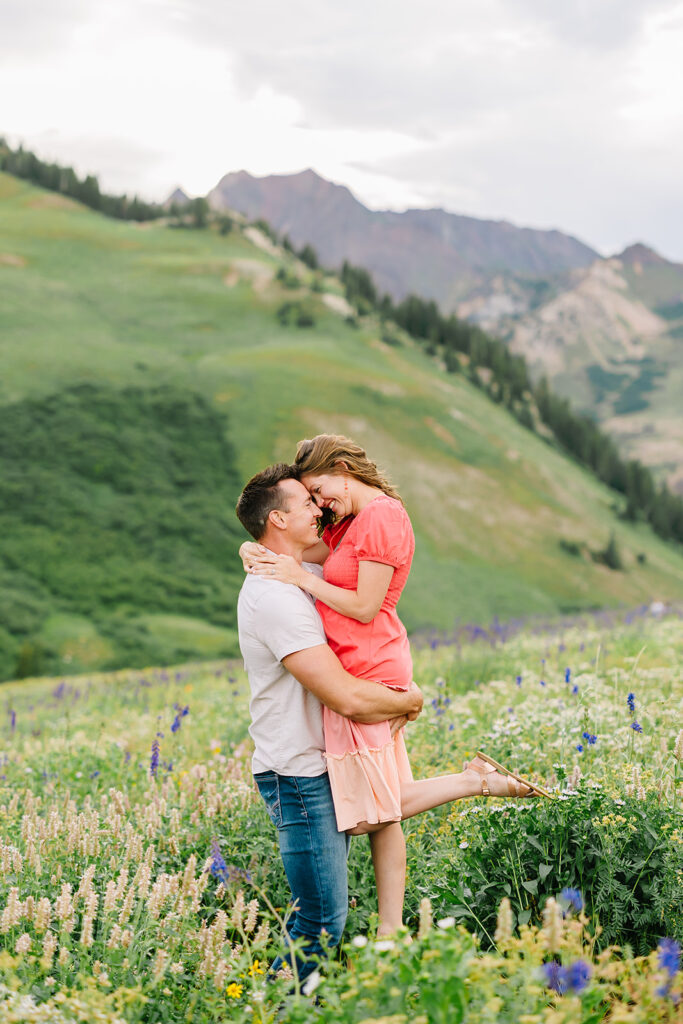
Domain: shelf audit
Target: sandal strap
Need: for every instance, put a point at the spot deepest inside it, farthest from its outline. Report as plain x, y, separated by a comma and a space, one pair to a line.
482, 768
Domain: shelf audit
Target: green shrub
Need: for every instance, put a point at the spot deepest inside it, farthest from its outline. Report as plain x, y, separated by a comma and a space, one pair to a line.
621, 857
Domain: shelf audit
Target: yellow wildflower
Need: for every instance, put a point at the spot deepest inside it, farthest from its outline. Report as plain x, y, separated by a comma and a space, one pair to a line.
255, 968
233, 991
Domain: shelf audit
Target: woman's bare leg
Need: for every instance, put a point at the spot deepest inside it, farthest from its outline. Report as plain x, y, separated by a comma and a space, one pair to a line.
388, 848
387, 841
423, 794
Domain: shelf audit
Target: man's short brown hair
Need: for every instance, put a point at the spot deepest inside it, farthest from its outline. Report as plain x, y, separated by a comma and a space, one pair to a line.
261, 495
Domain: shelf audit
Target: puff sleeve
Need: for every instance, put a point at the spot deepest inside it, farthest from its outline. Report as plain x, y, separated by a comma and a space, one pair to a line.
384, 534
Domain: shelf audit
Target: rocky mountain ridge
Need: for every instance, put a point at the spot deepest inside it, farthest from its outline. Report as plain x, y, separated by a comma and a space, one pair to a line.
436, 254
605, 331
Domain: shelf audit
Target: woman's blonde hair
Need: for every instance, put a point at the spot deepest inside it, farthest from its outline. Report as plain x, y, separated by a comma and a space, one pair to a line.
324, 453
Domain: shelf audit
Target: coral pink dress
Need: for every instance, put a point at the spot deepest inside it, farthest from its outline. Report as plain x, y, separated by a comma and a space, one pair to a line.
366, 767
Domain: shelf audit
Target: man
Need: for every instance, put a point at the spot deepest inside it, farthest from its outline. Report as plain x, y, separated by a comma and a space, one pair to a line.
291, 672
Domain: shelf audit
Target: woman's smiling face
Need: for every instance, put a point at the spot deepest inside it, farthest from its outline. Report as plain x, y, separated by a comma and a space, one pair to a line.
330, 490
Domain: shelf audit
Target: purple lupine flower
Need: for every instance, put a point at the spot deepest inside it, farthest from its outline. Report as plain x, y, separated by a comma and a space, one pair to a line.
669, 960
631, 701
218, 865
225, 873
154, 759
555, 976
180, 714
566, 979
636, 726
12, 719
578, 975
573, 898
669, 956
518, 680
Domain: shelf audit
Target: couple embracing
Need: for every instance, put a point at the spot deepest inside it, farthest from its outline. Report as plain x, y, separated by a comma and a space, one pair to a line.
330, 675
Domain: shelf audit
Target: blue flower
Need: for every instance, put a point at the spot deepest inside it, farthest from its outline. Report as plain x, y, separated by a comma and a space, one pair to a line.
518, 680
555, 976
180, 714
636, 726
154, 759
573, 898
579, 747
669, 956
567, 675
575, 688
631, 701
226, 873
590, 738
218, 865
542, 682
566, 979
578, 975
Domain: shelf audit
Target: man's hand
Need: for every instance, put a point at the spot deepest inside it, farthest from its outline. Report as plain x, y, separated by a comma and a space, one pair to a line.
414, 691
396, 724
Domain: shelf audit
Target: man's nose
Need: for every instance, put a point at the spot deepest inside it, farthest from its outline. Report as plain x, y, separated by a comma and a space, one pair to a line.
317, 512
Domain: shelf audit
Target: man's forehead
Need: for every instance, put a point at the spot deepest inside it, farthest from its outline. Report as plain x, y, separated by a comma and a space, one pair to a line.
293, 489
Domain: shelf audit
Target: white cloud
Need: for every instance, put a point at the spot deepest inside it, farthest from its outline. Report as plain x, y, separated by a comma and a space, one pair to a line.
547, 114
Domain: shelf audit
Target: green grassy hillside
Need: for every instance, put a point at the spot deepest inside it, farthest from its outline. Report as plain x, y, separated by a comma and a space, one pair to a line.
146, 374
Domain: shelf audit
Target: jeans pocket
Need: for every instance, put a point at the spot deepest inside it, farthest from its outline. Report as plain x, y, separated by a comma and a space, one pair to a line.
269, 788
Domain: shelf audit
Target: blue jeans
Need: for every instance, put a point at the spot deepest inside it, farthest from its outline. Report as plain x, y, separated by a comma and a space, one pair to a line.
314, 856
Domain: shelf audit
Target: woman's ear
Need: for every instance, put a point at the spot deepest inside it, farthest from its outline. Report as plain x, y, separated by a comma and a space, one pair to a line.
342, 465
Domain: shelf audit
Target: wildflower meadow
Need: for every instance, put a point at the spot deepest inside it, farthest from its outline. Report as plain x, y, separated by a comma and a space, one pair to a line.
140, 879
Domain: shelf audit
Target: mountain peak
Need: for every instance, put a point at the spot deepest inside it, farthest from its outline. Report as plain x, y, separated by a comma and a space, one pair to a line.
431, 252
642, 254
177, 196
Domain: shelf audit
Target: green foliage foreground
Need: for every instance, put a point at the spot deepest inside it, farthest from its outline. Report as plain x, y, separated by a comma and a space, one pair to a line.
141, 880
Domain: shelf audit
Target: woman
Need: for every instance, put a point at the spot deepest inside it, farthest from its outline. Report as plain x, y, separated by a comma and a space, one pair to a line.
366, 550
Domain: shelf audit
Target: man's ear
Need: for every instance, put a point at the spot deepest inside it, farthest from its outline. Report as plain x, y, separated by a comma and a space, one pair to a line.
277, 518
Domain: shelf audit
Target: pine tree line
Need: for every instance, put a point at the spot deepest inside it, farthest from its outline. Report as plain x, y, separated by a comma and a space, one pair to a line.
22, 163
506, 378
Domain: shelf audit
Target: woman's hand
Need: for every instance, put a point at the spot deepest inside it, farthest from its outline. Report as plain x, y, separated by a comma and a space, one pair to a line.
283, 568
253, 554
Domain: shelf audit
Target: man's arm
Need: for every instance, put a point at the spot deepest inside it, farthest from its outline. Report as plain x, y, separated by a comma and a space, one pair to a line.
320, 671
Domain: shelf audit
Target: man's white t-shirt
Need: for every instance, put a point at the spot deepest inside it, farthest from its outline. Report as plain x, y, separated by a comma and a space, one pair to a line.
276, 619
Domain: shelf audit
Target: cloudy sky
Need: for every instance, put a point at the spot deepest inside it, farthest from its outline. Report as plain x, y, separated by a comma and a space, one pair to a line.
545, 113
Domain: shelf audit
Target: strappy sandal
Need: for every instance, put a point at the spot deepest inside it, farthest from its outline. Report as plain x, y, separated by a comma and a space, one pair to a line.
485, 765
